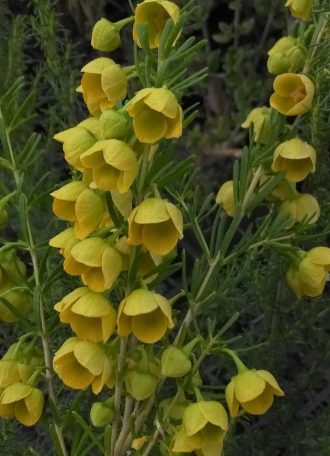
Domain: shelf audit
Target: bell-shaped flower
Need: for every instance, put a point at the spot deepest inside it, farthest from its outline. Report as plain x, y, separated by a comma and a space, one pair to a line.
113, 164
146, 314
97, 262
22, 401
259, 118
253, 390
64, 241
75, 141
309, 275
286, 56
303, 206
203, 429
300, 8
225, 198
154, 14
81, 363
103, 84
156, 114
156, 224
296, 157
90, 314
80, 204
293, 94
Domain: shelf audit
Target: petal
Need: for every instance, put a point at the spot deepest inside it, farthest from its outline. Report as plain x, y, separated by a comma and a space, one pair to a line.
29, 410
92, 305
163, 101
215, 413
149, 126
111, 266
176, 217
61, 239
232, 402
183, 443
271, 381
138, 98
89, 212
87, 328
64, 210
248, 385
119, 155
94, 279
160, 238
149, 328
73, 267
69, 192
90, 355
66, 348
14, 393
140, 302
165, 306
152, 210
89, 251
260, 404
74, 375
97, 66
320, 255
193, 419
174, 127
286, 83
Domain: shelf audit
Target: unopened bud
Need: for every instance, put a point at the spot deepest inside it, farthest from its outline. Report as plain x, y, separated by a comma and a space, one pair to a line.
113, 124
174, 362
105, 36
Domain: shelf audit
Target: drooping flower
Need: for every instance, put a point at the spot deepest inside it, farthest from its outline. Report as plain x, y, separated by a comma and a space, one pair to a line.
78, 203
156, 115
293, 94
301, 207
97, 262
154, 14
203, 429
146, 314
309, 275
296, 157
103, 84
286, 56
259, 117
225, 198
90, 314
81, 363
113, 163
23, 402
300, 8
156, 224
253, 390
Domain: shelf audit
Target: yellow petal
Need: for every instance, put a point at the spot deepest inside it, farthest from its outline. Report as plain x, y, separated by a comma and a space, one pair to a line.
176, 217
260, 404
150, 327
320, 255
90, 355
29, 410
89, 212
152, 210
14, 393
160, 238
215, 413
111, 266
70, 191
97, 66
193, 420
174, 127
163, 101
89, 251
140, 302
248, 385
271, 380
232, 402
149, 126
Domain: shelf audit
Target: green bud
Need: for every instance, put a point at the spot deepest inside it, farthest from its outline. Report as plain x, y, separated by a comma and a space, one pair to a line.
286, 56
174, 362
140, 385
105, 36
102, 413
26, 353
3, 216
20, 299
12, 269
176, 410
113, 124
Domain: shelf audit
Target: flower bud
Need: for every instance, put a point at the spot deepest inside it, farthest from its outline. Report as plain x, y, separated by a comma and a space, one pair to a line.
300, 8
3, 216
113, 124
259, 117
140, 385
225, 197
174, 362
286, 56
105, 36
102, 413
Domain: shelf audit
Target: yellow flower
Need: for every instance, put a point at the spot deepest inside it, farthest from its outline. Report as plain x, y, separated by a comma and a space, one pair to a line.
90, 314
293, 94
286, 56
105, 36
78, 203
302, 206
103, 84
156, 224
21, 300
154, 14
308, 277
300, 8
65, 241
23, 402
146, 314
12, 371
98, 264
204, 426
225, 198
259, 117
113, 164
156, 115
296, 157
254, 390
75, 141
81, 363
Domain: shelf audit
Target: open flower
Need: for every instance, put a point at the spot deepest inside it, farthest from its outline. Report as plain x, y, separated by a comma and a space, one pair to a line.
81, 363
293, 94
300, 8
90, 314
254, 390
113, 164
103, 84
156, 115
204, 426
309, 275
259, 118
156, 224
225, 198
75, 141
154, 14
97, 262
302, 206
296, 157
78, 203
146, 314
24, 402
